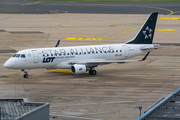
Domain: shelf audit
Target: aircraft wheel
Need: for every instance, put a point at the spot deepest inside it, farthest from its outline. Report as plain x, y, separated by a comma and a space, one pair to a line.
92, 72
26, 75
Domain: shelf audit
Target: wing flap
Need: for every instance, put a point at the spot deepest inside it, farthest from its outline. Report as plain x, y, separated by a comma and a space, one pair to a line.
104, 62
90, 63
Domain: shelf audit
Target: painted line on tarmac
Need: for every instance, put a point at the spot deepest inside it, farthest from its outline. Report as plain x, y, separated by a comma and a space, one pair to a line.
171, 12
10, 73
65, 117
165, 30
137, 23
115, 102
124, 31
170, 18
22, 38
176, 12
85, 38
31, 3
111, 70
114, 70
61, 70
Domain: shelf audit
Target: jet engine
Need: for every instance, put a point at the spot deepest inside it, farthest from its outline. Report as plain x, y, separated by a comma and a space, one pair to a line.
78, 69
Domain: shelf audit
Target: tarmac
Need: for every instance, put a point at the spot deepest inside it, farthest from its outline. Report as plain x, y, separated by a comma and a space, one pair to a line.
43, 7
116, 89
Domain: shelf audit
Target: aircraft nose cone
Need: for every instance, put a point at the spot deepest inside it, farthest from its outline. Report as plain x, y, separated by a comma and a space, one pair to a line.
8, 64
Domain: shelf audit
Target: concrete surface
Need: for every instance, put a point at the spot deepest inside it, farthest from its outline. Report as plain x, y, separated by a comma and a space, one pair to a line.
43, 7
116, 89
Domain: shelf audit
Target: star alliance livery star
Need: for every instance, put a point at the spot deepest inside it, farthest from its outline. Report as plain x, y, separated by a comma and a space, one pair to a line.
85, 58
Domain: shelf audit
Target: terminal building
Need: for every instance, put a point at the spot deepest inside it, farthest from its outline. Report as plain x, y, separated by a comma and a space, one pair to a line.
21, 109
167, 108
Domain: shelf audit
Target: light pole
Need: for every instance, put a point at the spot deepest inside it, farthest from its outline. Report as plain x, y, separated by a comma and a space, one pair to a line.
139, 107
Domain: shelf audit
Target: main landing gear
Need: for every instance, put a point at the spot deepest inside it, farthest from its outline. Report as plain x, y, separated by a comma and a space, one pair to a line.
25, 73
92, 72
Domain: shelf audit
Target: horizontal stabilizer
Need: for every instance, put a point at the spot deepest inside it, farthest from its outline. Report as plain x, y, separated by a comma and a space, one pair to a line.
154, 47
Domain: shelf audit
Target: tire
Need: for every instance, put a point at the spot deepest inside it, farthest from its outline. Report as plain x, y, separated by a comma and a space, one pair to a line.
92, 72
26, 75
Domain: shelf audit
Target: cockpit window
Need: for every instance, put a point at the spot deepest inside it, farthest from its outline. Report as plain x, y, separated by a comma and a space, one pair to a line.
16, 55
23, 56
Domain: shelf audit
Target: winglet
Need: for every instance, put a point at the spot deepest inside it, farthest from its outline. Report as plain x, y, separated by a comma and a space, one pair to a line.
57, 43
144, 57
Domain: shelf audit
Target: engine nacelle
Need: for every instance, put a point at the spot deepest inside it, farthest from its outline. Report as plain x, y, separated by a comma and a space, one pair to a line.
78, 69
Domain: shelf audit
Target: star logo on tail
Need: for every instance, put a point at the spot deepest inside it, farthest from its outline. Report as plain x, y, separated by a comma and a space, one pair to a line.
147, 33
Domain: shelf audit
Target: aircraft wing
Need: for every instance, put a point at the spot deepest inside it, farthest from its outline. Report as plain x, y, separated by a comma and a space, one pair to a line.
103, 62
99, 62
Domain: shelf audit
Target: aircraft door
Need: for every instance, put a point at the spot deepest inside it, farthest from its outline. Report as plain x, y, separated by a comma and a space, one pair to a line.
35, 56
126, 50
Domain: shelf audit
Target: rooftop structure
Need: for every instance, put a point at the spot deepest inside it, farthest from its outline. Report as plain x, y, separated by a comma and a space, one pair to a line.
20, 109
167, 108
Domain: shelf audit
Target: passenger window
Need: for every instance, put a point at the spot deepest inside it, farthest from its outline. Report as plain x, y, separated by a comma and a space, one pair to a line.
23, 56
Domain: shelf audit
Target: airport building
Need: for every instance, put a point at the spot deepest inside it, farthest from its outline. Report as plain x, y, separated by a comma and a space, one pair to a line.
21, 109
167, 108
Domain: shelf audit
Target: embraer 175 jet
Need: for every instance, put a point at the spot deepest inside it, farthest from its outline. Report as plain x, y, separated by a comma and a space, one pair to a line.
85, 58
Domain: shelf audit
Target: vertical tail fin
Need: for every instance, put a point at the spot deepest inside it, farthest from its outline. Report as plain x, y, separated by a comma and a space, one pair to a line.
146, 33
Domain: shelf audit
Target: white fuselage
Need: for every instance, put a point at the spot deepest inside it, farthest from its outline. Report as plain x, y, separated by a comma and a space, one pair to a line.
61, 57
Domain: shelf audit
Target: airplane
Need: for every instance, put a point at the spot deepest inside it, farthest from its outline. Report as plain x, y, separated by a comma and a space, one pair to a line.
81, 59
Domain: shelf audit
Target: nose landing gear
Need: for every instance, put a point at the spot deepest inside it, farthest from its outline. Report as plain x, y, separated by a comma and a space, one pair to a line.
25, 73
